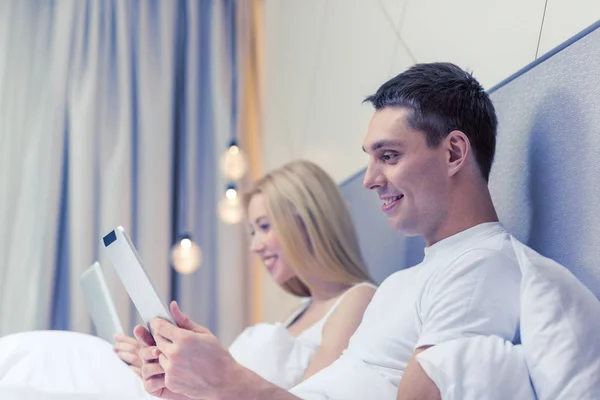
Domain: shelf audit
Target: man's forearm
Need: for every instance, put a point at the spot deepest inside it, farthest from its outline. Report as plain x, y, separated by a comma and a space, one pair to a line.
247, 385
415, 383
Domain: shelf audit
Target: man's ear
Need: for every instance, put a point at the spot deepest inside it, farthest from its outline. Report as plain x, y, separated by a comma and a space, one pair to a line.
458, 149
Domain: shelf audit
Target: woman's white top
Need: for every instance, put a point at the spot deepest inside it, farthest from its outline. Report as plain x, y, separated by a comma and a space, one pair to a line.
275, 354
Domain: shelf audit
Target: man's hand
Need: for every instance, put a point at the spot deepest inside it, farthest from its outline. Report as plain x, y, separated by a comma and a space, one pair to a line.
191, 361
151, 371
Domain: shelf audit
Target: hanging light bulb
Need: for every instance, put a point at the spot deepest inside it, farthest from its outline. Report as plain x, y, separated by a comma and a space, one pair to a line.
230, 208
186, 256
234, 162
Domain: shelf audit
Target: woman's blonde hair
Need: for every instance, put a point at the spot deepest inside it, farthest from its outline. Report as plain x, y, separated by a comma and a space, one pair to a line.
311, 220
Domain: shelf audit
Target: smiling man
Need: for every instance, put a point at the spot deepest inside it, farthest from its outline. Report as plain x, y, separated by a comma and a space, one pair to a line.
431, 144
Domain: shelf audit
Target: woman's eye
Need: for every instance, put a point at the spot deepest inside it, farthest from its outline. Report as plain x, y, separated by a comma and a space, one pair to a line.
264, 227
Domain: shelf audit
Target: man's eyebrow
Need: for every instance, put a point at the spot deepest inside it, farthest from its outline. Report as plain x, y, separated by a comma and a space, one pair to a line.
384, 143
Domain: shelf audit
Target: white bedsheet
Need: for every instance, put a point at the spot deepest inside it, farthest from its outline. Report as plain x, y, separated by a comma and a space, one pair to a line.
18, 393
64, 365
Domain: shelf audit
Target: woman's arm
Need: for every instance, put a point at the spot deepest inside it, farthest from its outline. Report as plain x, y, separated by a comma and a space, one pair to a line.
339, 327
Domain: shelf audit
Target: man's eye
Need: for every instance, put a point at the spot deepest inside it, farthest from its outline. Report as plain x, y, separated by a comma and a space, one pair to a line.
389, 156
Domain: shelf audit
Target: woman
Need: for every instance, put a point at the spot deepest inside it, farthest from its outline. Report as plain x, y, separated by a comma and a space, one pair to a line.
303, 233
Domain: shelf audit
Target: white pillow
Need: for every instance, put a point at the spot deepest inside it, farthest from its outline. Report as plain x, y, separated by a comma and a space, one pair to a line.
560, 329
478, 368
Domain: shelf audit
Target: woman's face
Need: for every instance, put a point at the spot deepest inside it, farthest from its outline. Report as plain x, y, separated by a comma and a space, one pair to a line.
264, 243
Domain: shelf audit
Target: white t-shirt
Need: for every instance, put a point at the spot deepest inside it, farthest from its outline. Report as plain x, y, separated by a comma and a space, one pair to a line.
467, 284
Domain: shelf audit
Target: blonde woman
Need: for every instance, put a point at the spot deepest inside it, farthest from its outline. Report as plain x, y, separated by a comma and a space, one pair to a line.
302, 232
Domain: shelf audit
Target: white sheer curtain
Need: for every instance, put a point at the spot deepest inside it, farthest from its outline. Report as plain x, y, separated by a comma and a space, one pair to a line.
87, 126
119, 139
33, 70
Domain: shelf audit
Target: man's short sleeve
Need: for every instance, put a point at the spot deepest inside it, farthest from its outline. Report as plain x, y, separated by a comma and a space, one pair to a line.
477, 294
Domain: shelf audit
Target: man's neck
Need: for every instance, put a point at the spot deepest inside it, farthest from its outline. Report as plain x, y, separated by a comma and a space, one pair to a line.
469, 208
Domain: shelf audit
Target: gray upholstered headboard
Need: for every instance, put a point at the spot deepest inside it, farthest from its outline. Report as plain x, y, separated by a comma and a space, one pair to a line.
545, 180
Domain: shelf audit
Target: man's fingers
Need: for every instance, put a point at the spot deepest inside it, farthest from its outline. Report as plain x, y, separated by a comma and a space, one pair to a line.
184, 321
149, 354
155, 385
130, 358
142, 334
164, 345
164, 328
152, 369
164, 362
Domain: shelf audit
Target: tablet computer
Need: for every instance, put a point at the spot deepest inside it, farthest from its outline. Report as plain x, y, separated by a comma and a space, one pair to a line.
99, 303
126, 261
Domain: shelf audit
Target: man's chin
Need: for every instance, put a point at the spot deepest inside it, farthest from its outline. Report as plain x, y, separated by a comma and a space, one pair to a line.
400, 227
396, 224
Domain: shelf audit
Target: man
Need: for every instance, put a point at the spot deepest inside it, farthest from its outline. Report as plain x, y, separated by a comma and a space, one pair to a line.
431, 144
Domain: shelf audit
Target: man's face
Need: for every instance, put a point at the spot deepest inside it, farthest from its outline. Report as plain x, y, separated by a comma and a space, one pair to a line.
410, 177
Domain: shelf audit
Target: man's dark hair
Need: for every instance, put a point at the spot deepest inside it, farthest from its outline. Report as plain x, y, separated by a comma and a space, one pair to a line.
441, 98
